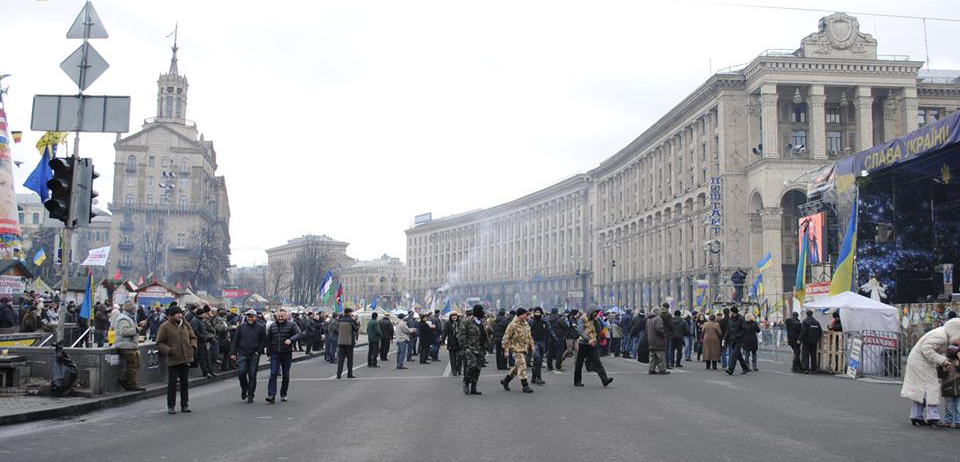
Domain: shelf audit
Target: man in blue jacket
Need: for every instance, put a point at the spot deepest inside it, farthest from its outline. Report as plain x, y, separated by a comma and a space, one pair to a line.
281, 338
248, 341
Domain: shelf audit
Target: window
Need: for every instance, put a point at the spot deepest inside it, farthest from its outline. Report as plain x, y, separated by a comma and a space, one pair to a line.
833, 142
184, 184
833, 114
183, 203
921, 117
164, 160
36, 218
152, 161
129, 199
169, 107
181, 240
149, 199
799, 113
179, 91
130, 182
179, 108
184, 165
933, 114
799, 138
20, 215
169, 89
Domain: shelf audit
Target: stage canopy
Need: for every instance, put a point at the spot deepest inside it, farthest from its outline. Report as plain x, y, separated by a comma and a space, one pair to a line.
859, 313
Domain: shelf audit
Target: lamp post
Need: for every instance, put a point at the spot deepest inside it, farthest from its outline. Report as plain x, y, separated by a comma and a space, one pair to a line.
168, 183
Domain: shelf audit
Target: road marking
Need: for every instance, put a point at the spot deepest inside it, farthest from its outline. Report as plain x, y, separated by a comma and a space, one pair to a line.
446, 370
355, 368
778, 372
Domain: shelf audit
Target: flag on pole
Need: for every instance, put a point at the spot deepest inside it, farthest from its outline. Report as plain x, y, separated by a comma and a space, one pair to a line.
798, 289
326, 287
40, 257
86, 308
42, 173
17, 136
765, 262
446, 307
117, 275
373, 304
140, 281
843, 273
339, 297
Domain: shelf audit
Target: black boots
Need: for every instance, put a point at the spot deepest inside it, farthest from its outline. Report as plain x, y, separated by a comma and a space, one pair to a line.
466, 387
606, 381
506, 382
526, 387
473, 388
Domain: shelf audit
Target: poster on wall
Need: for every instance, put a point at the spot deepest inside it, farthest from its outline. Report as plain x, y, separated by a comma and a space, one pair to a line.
813, 226
10, 243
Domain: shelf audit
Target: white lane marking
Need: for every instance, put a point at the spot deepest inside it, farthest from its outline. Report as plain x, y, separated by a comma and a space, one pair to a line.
446, 370
780, 373
361, 366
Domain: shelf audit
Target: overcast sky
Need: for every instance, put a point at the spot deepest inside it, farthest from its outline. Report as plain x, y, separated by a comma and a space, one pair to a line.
347, 118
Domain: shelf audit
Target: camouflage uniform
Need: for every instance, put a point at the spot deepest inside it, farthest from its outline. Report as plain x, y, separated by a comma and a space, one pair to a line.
517, 340
471, 335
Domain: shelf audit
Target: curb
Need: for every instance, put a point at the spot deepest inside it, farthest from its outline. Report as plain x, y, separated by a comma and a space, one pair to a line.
125, 397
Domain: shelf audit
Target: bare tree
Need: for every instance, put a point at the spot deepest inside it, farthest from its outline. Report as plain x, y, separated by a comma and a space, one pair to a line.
152, 242
309, 267
277, 284
207, 257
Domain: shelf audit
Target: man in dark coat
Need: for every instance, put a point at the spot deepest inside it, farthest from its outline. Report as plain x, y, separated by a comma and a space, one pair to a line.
347, 331
639, 334
330, 348
248, 341
793, 339
657, 342
500, 324
810, 334
555, 344
386, 336
282, 337
678, 331
736, 330
540, 331
204, 336
426, 331
7, 317
667, 331
373, 340
626, 323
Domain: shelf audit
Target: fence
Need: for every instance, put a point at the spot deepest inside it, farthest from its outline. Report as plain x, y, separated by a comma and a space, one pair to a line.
882, 353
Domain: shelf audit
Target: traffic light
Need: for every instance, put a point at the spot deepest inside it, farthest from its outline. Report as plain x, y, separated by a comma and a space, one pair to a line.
61, 191
84, 196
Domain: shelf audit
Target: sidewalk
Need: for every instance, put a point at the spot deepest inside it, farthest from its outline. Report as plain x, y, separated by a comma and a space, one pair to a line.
16, 409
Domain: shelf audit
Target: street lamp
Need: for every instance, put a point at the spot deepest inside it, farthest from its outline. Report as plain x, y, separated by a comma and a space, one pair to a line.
168, 183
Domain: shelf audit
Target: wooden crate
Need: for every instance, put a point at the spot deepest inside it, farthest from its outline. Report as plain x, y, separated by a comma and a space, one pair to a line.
832, 358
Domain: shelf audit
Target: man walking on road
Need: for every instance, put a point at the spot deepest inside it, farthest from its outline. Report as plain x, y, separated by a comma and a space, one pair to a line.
500, 324
176, 341
403, 340
793, 339
386, 336
373, 340
657, 343
517, 340
199, 326
472, 336
281, 337
540, 331
127, 344
589, 328
248, 341
810, 334
330, 347
426, 332
736, 331
347, 330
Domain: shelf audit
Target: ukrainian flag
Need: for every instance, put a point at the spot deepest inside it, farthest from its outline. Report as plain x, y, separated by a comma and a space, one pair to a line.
843, 273
765, 262
86, 309
798, 289
40, 257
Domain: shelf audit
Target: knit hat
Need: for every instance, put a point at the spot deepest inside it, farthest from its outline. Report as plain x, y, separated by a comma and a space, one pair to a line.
521, 311
174, 310
478, 311
735, 310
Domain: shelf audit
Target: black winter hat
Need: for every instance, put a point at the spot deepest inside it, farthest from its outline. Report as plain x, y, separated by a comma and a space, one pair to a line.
478, 311
521, 311
174, 310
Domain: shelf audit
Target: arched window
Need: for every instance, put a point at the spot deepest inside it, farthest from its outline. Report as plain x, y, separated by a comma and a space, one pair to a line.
131, 163
129, 199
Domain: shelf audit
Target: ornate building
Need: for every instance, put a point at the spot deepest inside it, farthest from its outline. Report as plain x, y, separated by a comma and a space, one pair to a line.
171, 214
708, 189
382, 279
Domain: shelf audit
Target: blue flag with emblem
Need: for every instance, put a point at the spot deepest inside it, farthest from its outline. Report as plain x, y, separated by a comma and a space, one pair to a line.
446, 307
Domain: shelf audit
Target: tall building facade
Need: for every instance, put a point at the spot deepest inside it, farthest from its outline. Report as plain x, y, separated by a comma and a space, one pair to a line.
171, 213
296, 269
707, 190
382, 279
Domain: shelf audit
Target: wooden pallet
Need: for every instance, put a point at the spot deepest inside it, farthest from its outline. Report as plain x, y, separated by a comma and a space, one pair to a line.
832, 356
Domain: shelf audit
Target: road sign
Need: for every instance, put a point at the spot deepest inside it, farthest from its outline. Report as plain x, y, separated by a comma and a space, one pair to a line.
88, 17
74, 66
60, 113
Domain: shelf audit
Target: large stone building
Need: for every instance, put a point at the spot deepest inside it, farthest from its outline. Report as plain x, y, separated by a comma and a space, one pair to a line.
171, 212
382, 279
710, 188
295, 269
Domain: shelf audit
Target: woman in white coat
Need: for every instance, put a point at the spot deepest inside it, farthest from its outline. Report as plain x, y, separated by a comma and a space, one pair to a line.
920, 383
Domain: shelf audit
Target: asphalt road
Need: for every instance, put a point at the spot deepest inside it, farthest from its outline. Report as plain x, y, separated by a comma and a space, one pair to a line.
420, 414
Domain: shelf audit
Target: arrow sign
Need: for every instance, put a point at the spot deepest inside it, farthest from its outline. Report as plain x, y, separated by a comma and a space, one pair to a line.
87, 17
95, 67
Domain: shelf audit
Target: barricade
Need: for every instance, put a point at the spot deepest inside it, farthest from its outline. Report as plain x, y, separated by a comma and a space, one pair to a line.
882, 354
833, 354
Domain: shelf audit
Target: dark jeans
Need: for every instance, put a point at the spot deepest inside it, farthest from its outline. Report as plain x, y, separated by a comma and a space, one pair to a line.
248, 373
615, 346
501, 359
385, 348
676, 355
203, 358
554, 352
669, 353
344, 352
539, 350
181, 373
279, 362
737, 357
425, 351
99, 336
588, 353
373, 352
330, 348
797, 364
809, 357
412, 348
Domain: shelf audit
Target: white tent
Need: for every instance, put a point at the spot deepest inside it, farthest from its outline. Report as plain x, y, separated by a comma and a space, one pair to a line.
859, 313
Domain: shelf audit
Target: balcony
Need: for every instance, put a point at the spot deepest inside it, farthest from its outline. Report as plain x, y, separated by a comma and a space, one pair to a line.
125, 264
130, 168
126, 227
179, 248
125, 246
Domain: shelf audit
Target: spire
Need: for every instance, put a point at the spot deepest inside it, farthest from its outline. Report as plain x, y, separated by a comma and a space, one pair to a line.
173, 60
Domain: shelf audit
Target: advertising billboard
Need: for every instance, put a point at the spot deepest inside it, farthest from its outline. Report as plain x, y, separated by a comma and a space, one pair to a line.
813, 226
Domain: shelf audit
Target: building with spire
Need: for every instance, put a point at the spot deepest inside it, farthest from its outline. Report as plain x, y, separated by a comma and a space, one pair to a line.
171, 214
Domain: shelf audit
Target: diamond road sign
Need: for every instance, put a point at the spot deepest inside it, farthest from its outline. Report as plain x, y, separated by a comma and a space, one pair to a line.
88, 17
96, 66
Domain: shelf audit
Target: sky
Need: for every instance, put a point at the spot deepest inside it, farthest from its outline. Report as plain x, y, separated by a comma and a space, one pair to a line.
348, 118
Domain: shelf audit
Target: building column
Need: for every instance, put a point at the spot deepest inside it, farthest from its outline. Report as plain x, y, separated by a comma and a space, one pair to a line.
772, 222
909, 105
817, 143
864, 104
889, 119
769, 121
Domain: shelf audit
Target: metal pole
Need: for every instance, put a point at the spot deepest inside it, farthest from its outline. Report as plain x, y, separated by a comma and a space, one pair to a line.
65, 235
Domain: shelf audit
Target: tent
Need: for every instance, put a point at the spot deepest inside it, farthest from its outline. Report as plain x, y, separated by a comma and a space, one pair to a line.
859, 313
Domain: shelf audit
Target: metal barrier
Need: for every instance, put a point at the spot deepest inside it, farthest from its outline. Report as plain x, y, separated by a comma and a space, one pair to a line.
773, 345
882, 354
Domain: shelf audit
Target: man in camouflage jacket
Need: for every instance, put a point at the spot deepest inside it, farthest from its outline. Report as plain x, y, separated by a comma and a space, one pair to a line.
517, 340
473, 339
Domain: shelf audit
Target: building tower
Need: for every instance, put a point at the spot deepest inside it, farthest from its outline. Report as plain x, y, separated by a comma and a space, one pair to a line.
172, 90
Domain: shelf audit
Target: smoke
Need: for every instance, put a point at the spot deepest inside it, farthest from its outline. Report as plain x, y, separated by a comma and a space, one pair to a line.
476, 252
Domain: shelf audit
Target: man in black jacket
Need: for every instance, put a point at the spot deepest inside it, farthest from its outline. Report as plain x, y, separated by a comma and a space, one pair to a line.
248, 341
540, 331
426, 331
626, 323
793, 339
736, 329
203, 338
348, 329
281, 337
500, 324
667, 331
555, 344
386, 336
810, 334
678, 330
638, 334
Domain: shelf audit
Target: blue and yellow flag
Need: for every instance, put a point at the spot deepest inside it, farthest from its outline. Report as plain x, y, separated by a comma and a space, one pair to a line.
843, 273
40, 257
86, 309
798, 289
765, 262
